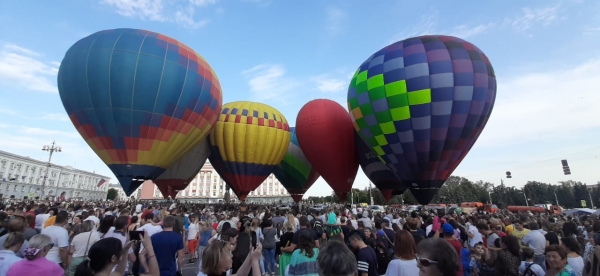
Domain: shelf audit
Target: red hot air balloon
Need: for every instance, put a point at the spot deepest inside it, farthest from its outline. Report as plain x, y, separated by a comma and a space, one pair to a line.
326, 136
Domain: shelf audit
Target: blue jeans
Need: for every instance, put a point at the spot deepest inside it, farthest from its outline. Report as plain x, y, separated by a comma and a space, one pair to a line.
541, 260
269, 260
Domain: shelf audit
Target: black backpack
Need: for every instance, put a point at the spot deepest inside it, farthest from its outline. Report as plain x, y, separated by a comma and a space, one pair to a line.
318, 228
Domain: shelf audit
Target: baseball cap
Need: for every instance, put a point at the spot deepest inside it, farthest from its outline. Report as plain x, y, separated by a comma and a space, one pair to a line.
386, 220
447, 229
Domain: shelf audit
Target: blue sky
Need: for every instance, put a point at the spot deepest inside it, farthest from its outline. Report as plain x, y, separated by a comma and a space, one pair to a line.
286, 53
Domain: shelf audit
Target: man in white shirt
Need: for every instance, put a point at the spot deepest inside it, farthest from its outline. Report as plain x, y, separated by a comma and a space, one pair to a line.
150, 229
41, 218
60, 238
536, 241
474, 236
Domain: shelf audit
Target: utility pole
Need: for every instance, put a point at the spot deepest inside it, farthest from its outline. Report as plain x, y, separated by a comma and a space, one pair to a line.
51, 149
370, 194
591, 201
525, 195
555, 197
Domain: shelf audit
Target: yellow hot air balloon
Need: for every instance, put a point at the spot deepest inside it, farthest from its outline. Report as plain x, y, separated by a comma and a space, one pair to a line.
248, 141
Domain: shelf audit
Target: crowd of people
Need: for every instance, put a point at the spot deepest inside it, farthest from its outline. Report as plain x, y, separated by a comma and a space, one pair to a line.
117, 239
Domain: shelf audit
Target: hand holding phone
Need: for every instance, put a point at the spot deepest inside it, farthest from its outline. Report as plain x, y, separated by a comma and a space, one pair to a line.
135, 235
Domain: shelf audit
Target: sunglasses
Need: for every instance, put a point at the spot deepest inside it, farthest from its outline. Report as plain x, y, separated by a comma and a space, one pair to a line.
50, 245
424, 262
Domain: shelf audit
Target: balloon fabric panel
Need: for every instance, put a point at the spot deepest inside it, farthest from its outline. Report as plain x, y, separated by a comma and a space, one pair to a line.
140, 99
179, 175
326, 136
375, 170
421, 104
248, 142
295, 172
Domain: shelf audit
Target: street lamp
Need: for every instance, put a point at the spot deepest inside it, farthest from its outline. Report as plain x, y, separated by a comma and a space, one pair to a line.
50, 149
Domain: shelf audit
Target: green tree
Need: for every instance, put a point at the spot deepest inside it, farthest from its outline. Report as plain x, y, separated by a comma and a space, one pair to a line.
112, 194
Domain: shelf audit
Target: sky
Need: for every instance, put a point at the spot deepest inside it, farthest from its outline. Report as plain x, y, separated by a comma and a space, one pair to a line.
285, 53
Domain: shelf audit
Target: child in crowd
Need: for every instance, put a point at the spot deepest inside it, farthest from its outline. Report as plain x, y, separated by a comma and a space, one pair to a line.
527, 267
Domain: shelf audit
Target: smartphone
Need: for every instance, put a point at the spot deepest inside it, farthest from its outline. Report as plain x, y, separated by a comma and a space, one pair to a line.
135, 235
254, 240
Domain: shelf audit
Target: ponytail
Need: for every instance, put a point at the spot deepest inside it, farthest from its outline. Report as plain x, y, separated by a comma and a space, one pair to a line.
83, 269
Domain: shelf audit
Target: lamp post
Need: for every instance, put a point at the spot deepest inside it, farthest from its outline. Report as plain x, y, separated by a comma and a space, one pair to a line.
50, 149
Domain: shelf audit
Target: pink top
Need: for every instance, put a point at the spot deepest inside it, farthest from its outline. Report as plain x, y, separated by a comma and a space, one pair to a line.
38, 266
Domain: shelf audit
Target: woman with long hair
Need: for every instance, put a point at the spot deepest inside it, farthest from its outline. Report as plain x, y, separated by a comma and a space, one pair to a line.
105, 224
508, 259
192, 236
35, 262
573, 258
108, 257
405, 252
269, 244
217, 261
81, 244
284, 242
206, 232
304, 258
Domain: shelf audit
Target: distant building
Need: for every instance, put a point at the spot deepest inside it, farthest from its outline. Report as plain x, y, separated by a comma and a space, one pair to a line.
209, 187
593, 186
22, 176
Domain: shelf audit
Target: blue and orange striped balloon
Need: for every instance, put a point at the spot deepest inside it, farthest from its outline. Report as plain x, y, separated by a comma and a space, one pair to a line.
247, 143
140, 99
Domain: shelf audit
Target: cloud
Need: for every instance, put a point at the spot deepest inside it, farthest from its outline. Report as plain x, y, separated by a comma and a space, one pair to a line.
465, 31
545, 106
425, 26
328, 84
46, 132
530, 17
591, 30
268, 82
56, 117
219, 11
335, 20
22, 67
182, 12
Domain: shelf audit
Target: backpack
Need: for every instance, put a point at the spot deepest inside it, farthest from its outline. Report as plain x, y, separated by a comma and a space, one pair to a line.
318, 228
383, 258
528, 271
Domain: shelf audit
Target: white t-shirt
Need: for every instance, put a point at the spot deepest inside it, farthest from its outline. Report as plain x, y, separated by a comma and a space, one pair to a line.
398, 267
192, 231
95, 219
477, 238
40, 220
138, 208
80, 243
60, 238
535, 268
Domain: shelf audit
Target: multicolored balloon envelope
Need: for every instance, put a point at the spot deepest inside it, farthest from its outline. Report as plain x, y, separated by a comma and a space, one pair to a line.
248, 141
294, 172
179, 175
140, 99
326, 137
376, 171
421, 104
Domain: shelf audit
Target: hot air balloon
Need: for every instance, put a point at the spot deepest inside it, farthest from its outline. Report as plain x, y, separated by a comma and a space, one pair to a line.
294, 172
179, 175
247, 143
326, 137
140, 99
376, 171
421, 104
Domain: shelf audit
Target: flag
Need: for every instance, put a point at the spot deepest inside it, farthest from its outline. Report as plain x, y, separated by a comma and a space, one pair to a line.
101, 182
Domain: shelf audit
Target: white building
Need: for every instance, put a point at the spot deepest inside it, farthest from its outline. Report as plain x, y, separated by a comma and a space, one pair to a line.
208, 186
22, 176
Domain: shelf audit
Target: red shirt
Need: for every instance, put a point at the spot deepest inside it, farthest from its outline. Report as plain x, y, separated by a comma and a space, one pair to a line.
458, 247
145, 213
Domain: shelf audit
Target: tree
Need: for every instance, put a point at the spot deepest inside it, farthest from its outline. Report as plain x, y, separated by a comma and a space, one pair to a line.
112, 194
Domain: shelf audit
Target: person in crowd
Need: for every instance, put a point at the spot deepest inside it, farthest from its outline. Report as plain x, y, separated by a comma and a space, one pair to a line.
508, 260
405, 260
217, 260
574, 260
285, 242
269, 244
556, 257
304, 258
8, 256
193, 234
436, 257
171, 254
80, 245
35, 262
337, 253
528, 267
16, 225
59, 253
365, 256
536, 240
